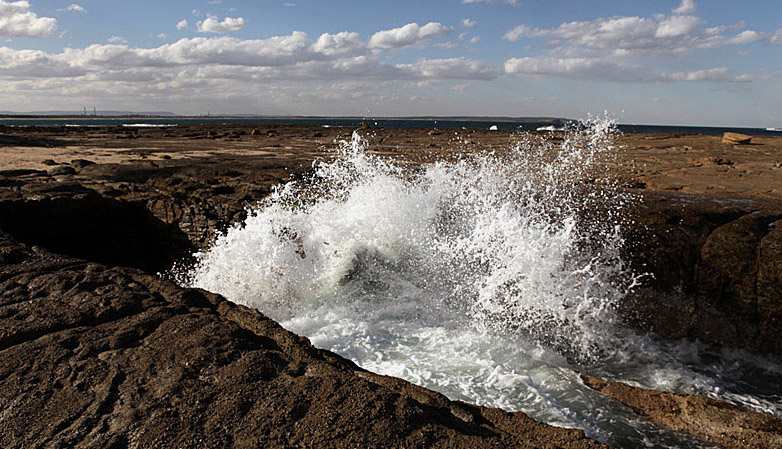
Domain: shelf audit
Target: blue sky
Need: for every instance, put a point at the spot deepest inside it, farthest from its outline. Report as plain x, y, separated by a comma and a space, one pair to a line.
664, 62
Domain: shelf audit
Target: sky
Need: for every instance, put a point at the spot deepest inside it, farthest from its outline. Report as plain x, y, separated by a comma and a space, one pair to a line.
680, 62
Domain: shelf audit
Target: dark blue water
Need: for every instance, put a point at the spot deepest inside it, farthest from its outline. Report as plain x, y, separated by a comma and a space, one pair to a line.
503, 124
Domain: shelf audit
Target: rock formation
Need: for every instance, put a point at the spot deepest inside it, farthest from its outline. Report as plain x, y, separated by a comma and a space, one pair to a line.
736, 138
96, 351
97, 356
715, 270
715, 421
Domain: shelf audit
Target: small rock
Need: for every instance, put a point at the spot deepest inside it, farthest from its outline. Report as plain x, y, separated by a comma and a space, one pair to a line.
49, 162
255, 132
271, 133
62, 170
434, 132
79, 164
736, 138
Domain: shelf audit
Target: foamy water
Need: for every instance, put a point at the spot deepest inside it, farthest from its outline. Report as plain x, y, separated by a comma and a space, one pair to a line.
493, 279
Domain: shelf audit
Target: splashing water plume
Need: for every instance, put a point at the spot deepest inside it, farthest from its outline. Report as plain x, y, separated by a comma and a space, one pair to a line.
493, 278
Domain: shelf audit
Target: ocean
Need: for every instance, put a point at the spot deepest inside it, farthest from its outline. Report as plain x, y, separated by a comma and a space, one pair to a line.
388, 123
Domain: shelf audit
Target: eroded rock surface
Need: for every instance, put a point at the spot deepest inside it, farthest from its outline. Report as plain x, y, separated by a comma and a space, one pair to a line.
94, 356
713, 420
715, 270
94, 353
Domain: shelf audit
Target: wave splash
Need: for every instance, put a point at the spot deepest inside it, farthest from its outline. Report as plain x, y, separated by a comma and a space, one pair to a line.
500, 238
493, 278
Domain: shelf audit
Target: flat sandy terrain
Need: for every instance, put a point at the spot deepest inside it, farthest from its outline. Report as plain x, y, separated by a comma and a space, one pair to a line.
694, 164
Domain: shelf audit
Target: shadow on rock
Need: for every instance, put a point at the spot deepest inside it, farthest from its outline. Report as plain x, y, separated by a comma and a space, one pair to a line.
96, 228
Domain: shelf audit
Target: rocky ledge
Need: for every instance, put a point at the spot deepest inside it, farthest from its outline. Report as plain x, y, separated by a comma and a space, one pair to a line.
714, 269
97, 351
725, 424
111, 357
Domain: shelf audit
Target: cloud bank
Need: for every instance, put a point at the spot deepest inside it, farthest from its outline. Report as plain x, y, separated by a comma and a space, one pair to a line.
618, 49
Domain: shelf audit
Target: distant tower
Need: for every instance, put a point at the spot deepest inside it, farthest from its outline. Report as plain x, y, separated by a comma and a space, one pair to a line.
85, 111
94, 111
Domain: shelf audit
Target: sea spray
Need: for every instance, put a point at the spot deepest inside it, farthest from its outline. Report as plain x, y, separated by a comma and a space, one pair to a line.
491, 277
497, 237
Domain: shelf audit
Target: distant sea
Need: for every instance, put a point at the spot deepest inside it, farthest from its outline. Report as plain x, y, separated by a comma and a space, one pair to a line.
428, 123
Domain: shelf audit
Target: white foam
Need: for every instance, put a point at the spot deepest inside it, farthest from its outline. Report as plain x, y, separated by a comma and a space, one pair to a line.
482, 278
148, 125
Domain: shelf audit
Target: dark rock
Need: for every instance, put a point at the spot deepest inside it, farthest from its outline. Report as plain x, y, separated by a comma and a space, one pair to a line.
79, 164
62, 170
713, 420
82, 224
721, 161
92, 356
49, 162
716, 269
22, 172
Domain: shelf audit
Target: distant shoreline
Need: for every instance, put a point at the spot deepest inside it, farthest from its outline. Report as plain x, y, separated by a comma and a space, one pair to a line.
442, 123
281, 117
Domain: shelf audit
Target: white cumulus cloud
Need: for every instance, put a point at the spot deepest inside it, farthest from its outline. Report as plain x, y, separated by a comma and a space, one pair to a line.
686, 7
228, 25
16, 20
75, 7
468, 23
343, 43
410, 35
182, 24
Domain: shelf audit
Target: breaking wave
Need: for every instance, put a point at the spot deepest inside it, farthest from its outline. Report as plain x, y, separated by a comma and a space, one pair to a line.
492, 277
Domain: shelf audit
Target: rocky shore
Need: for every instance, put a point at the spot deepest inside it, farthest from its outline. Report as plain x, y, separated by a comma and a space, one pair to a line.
98, 351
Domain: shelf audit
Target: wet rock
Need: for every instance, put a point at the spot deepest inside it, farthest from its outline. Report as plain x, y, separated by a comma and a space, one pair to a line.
93, 356
62, 170
715, 270
713, 420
